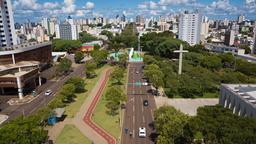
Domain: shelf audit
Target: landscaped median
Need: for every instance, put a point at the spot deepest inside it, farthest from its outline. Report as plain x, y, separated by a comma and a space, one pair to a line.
71, 135
74, 107
110, 123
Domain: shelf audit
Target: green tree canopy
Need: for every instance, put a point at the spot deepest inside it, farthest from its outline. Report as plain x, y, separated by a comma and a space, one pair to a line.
66, 45
64, 66
90, 69
108, 34
68, 92
79, 56
78, 82
86, 37
117, 75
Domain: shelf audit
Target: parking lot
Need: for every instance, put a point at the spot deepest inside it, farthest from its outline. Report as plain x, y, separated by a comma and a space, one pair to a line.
187, 106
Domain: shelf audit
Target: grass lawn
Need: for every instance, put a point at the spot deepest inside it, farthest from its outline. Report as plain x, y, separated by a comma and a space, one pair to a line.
107, 122
71, 135
73, 107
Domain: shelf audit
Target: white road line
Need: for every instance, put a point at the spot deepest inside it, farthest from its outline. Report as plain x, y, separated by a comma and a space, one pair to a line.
133, 119
152, 113
133, 108
143, 119
133, 133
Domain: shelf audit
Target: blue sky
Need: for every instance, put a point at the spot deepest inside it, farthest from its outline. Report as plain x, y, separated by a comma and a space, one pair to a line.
215, 9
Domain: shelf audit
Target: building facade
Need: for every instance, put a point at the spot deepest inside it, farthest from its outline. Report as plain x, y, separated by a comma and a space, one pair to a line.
190, 27
229, 38
7, 30
241, 99
20, 67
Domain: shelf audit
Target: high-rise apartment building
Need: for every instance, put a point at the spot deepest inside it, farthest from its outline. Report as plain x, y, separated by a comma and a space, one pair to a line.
241, 19
140, 20
190, 27
46, 24
7, 31
67, 30
229, 38
204, 29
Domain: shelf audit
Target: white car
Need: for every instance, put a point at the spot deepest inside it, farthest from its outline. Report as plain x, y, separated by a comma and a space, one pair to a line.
142, 132
48, 93
145, 84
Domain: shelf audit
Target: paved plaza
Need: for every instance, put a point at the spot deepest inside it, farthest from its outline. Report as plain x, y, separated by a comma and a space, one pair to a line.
187, 106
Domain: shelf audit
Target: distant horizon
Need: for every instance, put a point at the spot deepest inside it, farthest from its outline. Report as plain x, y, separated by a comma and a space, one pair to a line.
35, 10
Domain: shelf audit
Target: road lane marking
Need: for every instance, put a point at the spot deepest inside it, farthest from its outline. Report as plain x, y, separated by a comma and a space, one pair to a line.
152, 113
143, 119
133, 119
133, 108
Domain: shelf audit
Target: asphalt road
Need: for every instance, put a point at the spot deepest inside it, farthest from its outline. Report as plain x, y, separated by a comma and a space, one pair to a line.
136, 114
42, 100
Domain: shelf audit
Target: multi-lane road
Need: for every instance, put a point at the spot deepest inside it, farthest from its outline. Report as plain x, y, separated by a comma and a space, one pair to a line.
136, 114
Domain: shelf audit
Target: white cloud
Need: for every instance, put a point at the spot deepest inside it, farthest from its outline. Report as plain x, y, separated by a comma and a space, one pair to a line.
79, 13
26, 4
69, 6
51, 5
89, 5
152, 5
164, 8
169, 2
142, 6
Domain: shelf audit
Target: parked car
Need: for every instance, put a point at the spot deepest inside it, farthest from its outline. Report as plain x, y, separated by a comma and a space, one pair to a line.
145, 103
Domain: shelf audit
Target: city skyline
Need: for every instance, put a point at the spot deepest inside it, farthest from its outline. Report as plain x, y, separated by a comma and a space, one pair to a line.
35, 10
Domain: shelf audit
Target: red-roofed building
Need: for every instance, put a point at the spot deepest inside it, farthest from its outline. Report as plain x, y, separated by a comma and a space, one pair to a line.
86, 48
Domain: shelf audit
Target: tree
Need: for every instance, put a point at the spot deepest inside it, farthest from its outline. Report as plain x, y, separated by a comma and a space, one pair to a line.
79, 56
246, 48
129, 37
60, 45
189, 87
96, 47
148, 59
212, 62
108, 34
100, 56
90, 69
117, 75
64, 66
116, 44
78, 82
23, 130
170, 125
123, 59
68, 92
86, 37
32, 40
154, 75
114, 96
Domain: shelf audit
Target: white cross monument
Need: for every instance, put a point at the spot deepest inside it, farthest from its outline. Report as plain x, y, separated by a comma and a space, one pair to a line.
181, 51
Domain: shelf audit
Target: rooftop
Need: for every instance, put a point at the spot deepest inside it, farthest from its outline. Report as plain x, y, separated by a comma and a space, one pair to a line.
246, 91
22, 47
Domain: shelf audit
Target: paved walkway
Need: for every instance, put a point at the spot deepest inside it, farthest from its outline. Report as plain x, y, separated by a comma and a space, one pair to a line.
187, 106
83, 122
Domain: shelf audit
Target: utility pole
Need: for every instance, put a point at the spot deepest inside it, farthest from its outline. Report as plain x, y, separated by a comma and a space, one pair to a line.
180, 51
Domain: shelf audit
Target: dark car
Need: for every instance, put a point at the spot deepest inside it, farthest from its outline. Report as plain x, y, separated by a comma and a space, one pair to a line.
123, 106
145, 103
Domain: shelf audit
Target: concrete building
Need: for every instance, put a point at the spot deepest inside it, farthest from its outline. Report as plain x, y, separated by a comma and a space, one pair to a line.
204, 30
140, 20
229, 38
190, 27
66, 31
46, 24
7, 30
20, 67
241, 19
241, 99
254, 37
224, 49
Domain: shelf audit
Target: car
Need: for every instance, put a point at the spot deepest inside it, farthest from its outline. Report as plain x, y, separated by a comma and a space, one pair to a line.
145, 84
48, 93
123, 106
142, 132
137, 72
145, 103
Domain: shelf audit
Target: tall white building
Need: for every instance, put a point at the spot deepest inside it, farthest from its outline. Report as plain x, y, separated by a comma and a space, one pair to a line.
204, 29
241, 18
67, 30
46, 24
7, 31
190, 27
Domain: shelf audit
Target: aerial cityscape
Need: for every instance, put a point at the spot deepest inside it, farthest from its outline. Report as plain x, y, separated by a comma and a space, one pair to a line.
128, 72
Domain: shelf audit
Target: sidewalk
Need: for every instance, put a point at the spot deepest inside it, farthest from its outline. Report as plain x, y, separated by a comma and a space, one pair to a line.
85, 129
